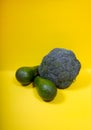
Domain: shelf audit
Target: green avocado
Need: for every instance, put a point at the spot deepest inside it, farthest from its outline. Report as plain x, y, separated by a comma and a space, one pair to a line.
46, 88
25, 75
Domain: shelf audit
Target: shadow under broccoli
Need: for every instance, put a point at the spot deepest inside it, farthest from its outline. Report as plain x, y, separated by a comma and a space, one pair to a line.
60, 66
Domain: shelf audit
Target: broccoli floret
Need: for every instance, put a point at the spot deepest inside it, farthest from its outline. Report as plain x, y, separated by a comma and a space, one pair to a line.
60, 66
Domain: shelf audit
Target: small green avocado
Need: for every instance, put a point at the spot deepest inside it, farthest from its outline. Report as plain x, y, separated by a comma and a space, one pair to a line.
46, 88
25, 75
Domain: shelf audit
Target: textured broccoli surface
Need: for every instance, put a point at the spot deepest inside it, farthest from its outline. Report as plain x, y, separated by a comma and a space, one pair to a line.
60, 66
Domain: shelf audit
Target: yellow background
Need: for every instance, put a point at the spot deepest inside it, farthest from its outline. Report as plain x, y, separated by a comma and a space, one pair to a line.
29, 30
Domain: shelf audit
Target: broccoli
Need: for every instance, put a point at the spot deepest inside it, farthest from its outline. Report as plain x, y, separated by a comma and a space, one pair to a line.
60, 66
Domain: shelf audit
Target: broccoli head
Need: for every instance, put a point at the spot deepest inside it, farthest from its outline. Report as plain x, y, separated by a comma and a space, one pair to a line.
60, 66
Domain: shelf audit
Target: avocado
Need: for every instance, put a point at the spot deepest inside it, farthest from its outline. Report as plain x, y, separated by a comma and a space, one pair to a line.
25, 75
46, 88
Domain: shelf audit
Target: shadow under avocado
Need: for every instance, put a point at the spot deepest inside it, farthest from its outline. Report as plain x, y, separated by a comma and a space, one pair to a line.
82, 81
60, 98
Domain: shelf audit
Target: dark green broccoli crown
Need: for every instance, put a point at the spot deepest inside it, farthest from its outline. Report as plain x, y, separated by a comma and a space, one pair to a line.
60, 66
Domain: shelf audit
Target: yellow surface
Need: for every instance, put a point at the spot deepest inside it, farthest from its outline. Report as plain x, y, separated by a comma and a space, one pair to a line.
29, 30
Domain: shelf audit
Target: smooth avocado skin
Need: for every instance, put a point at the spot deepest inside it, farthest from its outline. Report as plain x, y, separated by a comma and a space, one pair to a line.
25, 75
46, 88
